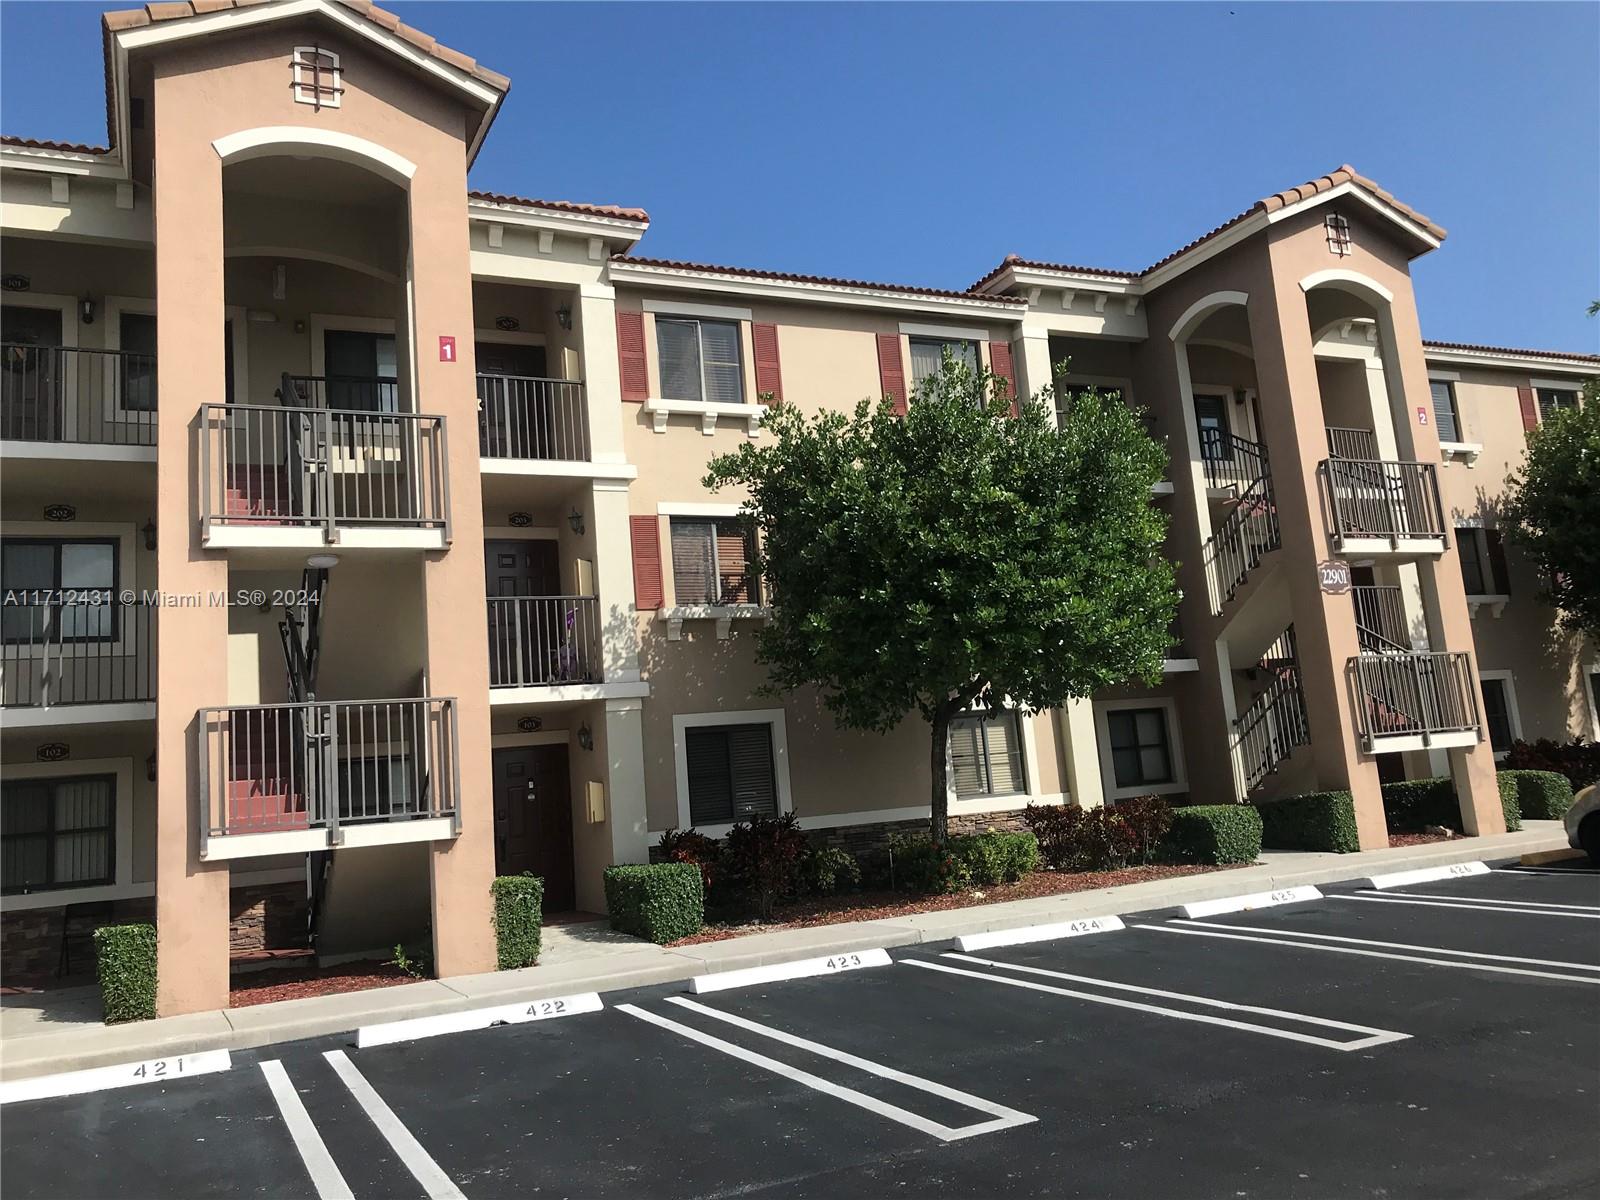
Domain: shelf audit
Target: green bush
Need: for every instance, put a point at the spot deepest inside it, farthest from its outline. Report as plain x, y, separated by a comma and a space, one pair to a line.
826, 870
692, 846
1541, 795
659, 901
1318, 821
127, 968
1022, 854
1509, 804
1214, 833
916, 866
996, 857
517, 902
763, 858
1413, 805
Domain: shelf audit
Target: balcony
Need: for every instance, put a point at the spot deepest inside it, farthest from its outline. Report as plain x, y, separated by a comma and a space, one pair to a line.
1383, 508
290, 778
544, 647
1407, 700
70, 402
72, 663
304, 477
524, 421
1381, 623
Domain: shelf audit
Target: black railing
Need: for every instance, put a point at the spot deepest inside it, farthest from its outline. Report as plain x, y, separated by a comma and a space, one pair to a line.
1230, 460
1344, 442
1366, 498
528, 418
69, 394
543, 641
1413, 694
1381, 624
1235, 549
88, 649
353, 393
1269, 730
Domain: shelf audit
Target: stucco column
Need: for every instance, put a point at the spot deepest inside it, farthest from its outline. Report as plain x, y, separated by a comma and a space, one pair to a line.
1030, 354
191, 667
613, 576
596, 327
1075, 727
628, 825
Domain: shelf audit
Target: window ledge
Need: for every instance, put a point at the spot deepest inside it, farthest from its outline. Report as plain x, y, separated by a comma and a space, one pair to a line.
708, 411
723, 614
1467, 452
1495, 604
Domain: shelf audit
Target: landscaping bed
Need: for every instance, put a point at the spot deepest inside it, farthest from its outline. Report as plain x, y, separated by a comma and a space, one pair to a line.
1422, 839
265, 987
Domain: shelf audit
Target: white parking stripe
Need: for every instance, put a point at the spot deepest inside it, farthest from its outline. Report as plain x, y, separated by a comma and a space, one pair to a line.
1376, 1037
1004, 1118
1579, 874
435, 1183
1333, 937
324, 1172
1428, 875
1458, 963
1493, 901
1507, 908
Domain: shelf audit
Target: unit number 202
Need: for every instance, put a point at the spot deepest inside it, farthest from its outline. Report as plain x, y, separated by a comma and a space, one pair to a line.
843, 962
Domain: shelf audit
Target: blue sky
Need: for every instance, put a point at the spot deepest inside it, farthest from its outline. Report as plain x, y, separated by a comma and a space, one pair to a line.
921, 143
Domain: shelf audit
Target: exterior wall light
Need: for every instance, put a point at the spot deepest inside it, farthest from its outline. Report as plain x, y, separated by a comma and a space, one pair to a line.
149, 531
150, 767
585, 737
86, 309
564, 316
576, 521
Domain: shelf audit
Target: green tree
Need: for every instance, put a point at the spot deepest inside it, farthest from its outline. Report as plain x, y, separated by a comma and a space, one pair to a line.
957, 555
1552, 509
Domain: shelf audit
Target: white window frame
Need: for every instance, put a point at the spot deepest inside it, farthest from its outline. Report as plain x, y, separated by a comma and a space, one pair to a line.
682, 722
122, 886
1108, 774
304, 86
739, 327
1513, 714
988, 801
127, 579
1554, 385
716, 563
113, 308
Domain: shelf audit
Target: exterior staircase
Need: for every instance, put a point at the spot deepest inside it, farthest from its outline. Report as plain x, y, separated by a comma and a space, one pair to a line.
1250, 530
1274, 724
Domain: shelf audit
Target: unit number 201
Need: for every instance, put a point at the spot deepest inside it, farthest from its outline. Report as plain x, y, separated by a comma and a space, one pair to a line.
843, 962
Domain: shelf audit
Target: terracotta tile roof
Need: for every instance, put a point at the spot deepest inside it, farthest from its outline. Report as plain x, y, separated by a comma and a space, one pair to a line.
1559, 354
1016, 260
754, 273
591, 210
46, 144
134, 18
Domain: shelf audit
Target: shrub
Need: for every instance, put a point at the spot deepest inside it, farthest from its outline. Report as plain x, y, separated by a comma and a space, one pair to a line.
1022, 854
995, 857
1147, 819
917, 866
1318, 821
415, 960
828, 869
763, 858
1092, 839
692, 846
1541, 795
1214, 833
127, 970
658, 901
517, 903
1059, 831
1411, 805
1578, 760
1510, 806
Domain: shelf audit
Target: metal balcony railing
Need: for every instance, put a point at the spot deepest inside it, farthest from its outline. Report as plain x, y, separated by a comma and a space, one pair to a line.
1269, 730
1366, 498
540, 641
529, 418
1412, 694
265, 466
1344, 442
90, 648
74, 395
1381, 625
278, 768
361, 393
1230, 460
1236, 548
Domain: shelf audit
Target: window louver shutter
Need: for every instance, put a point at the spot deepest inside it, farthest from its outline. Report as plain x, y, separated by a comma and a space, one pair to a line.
769, 374
705, 754
1000, 364
892, 370
692, 562
1530, 410
755, 792
1497, 561
645, 534
966, 759
630, 356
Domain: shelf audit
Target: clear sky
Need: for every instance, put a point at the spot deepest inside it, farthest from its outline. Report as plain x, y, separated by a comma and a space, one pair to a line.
920, 143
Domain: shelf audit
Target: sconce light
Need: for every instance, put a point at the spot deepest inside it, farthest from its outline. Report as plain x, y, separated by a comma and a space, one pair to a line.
564, 316
86, 309
585, 737
507, 324
150, 767
576, 521
149, 531
280, 282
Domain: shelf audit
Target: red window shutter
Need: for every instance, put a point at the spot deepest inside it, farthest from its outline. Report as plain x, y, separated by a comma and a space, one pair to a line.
646, 535
630, 356
769, 375
1530, 410
1000, 365
892, 370
1497, 561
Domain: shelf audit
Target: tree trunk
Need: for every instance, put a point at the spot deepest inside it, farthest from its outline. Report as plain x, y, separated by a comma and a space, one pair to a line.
939, 760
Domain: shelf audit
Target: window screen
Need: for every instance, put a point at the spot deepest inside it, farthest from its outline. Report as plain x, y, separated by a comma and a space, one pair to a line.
700, 360
986, 754
731, 773
711, 560
1140, 752
927, 356
57, 833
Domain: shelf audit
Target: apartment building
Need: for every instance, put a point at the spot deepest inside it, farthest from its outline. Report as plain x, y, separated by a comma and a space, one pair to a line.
358, 552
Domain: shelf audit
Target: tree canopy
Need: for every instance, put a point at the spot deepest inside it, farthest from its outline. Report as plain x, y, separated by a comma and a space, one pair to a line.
957, 554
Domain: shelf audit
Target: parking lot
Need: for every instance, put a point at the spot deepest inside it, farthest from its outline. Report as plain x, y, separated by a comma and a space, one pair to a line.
1433, 1039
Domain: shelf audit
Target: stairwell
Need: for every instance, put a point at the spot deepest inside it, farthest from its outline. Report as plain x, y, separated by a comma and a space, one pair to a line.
1250, 530
1274, 724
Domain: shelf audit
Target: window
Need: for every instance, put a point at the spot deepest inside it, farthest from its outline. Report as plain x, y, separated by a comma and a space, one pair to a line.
1067, 395
1337, 229
136, 365
1554, 400
1211, 418
711, 561
986, 754
700, 360
1497, 713
318, 79
927, 356
1474, 569
1444, 410
57, 833
1140, 752
86, 568
732, 773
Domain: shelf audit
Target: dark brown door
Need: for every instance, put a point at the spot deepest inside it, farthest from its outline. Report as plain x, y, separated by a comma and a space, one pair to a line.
533, 819
515, 408
32, 374
523, 631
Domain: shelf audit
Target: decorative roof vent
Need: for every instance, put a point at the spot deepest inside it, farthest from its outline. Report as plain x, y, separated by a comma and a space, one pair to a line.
1338, 231
318, 78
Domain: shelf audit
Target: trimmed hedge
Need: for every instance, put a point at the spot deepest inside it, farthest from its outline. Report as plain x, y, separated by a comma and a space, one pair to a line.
1317, 821
1541, 795
1411, 805
127, 969
1215, 834
517, 903
1510, 805
995, 857
659, 901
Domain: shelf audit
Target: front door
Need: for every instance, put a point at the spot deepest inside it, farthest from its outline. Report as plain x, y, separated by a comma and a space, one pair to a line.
33, 374
1211, 415
533, 819
515, 402
524, 632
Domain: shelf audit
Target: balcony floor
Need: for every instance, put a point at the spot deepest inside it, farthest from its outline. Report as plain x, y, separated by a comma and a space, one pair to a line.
115, 713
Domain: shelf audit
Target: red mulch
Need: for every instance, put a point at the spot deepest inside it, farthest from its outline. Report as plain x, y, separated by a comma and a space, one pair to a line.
1420, 839
264, 987
874, 906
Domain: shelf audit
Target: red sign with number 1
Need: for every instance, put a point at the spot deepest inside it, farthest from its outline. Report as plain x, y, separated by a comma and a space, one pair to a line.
447, 348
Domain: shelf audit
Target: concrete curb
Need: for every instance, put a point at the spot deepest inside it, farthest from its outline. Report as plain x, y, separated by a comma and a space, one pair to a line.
293, 1020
